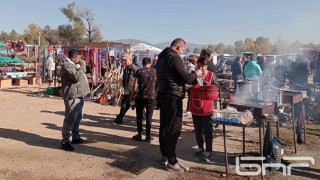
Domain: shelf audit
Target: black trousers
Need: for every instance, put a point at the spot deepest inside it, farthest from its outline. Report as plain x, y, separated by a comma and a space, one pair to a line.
125, 105
149, 104
202, 126
170, 125
188, 92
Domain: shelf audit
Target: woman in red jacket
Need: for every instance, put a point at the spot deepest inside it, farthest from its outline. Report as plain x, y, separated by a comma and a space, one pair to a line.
202, 111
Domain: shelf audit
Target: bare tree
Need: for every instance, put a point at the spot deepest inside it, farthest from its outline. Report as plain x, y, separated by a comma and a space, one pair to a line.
93, 31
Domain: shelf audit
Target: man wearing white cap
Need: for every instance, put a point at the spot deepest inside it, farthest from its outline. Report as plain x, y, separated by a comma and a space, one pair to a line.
127, 82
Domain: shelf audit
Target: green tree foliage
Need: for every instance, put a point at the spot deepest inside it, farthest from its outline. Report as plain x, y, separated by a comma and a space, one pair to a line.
51, 35
188, 50
249, 45
229, 50
4, 36
196, 50
31, 35
71, 34
78, 16
92, 31
239, 46
263, 45
70, 13
220, 48
211, 48
14, 35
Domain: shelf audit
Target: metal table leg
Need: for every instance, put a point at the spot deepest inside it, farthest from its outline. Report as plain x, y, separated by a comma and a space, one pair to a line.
220, 101
305, 132
260, 142
278, 125
225, 148
278, 120
244, 140
264, 125
293, 130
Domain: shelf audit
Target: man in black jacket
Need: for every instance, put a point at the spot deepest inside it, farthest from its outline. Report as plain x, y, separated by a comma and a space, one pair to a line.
172, 78
236, 69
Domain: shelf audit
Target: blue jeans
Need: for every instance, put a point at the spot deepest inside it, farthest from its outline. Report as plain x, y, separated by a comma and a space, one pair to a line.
73, 116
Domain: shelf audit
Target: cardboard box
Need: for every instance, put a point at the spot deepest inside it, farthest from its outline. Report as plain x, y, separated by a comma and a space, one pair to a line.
21, 82
32, 80
5, 83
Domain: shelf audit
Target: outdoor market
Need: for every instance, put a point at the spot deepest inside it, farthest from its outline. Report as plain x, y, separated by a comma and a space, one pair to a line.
160, 90
256, 103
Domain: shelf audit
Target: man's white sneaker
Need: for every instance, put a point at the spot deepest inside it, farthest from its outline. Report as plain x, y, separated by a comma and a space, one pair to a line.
207, 156
177, 167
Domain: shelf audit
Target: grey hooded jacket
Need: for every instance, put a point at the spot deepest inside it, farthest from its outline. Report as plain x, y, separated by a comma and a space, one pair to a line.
74, 81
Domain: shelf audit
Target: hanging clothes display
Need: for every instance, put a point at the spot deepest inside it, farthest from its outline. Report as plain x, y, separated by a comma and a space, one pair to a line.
93, 58
99, 63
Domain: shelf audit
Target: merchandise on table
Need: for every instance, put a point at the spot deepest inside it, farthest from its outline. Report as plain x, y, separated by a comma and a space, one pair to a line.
231, 115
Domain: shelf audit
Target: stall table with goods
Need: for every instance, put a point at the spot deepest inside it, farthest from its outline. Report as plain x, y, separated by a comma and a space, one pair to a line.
231, 117
257, 110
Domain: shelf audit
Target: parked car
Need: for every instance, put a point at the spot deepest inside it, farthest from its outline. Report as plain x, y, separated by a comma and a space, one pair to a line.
7, 56
246, 54
228, 62
271, 59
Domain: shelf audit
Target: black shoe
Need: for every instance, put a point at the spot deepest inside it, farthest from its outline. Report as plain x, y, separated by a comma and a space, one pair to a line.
78, 141
164, 161
67, 146
149, 138
117, 121
137, 137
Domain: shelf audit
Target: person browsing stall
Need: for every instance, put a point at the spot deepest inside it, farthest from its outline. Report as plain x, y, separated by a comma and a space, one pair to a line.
172, 78
236, 69
127, 82
145, 83
75, 87
202, 111
252, 69
206, 54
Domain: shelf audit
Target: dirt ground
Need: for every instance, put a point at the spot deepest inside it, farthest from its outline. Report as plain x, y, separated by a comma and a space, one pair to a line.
30, 136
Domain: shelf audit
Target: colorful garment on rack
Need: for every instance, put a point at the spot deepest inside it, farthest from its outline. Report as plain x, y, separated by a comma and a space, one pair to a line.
93, 57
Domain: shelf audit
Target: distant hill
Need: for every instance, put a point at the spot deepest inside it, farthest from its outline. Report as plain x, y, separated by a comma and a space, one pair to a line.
191, 46
163, 45
132, 41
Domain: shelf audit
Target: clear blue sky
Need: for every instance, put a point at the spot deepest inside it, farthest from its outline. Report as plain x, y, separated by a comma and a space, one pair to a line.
197, 21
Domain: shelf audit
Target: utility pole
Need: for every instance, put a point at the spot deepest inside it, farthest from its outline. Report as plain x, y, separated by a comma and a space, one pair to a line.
39, 40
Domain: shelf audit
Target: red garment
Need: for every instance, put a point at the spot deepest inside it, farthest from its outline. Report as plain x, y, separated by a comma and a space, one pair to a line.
94, 66
198, 106
19, 47
50, 49
99, 62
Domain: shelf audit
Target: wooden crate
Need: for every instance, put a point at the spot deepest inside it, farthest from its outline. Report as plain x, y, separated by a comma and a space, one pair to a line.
21, 82
5, 83
32, 80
